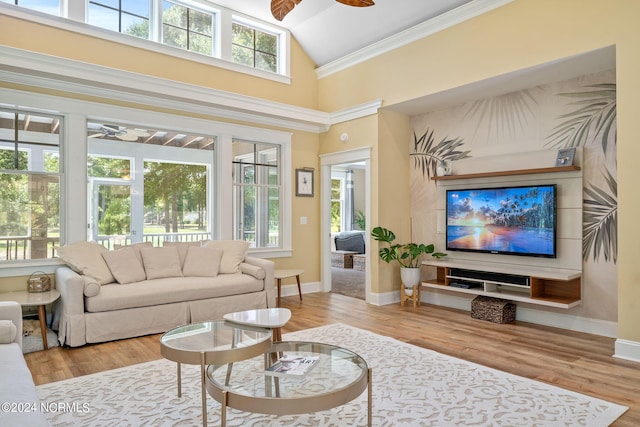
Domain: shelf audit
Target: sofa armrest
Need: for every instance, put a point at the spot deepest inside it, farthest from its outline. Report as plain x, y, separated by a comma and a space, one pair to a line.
68, 318
269, 268
11, 310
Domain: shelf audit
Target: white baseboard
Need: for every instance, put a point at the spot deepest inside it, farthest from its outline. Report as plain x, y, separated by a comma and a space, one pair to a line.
525, 314
628, 350
307, 288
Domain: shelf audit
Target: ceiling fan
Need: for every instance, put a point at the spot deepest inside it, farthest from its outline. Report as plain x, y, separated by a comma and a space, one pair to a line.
280, 8
123, 134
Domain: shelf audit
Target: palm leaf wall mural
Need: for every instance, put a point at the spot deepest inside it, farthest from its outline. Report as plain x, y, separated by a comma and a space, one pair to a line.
501, 117
600, 221
594, 119
427, 153
593, 122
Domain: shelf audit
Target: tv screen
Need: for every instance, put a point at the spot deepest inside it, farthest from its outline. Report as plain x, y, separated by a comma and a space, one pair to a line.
506, 220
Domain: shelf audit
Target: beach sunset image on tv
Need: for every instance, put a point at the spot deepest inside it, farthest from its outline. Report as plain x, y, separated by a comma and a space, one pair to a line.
510, 220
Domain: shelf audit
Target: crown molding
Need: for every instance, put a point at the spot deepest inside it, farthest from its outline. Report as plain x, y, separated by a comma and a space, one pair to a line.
420, 31
355, 112
39, 70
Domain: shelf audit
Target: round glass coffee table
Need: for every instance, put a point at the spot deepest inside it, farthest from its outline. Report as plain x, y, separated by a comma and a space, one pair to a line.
338, 377
218, 342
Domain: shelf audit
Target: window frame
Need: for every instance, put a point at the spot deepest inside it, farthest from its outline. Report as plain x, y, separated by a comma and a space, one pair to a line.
73, 17
73, 161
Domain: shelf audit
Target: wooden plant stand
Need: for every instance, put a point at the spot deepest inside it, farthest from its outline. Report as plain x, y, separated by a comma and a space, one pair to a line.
415, 295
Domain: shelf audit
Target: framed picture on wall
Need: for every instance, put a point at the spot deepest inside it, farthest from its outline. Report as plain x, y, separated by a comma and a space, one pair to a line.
304, 182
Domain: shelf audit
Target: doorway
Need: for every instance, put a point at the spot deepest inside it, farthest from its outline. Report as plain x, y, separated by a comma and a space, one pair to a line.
346, 208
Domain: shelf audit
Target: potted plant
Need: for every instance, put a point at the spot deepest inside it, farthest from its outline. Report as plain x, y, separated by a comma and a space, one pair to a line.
407, 255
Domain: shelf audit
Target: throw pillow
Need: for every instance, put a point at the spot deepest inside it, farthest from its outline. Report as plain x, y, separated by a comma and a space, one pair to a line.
124, 265
91, 286
86, 258
161, 262
137, 246
202, 262
233, 253
253, 270
7, 332
183, 247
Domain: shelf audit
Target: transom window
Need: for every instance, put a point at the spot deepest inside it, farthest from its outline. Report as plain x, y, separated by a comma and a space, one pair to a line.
128, 17
51, 7
187, 25
30, 182
187, 28
254, 48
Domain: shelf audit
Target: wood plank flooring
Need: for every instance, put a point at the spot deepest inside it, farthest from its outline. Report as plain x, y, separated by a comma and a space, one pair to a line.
571, 360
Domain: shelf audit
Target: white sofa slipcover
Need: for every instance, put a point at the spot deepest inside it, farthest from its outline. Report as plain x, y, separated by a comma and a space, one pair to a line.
153, 306
17, 390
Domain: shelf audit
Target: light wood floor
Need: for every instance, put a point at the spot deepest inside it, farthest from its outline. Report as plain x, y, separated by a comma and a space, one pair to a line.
570, 360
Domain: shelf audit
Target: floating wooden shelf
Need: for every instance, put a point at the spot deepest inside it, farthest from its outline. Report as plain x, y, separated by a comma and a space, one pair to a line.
508, 173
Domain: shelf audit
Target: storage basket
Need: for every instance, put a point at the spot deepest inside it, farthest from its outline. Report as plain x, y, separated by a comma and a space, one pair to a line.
494, 310
39, 282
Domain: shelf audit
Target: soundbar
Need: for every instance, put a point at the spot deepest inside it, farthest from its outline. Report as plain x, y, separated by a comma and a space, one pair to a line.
488, 276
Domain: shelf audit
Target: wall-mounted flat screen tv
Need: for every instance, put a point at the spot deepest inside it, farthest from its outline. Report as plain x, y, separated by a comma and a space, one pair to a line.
505, 220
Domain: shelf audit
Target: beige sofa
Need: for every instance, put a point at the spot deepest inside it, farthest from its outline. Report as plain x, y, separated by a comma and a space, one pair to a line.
139, 290
21, 406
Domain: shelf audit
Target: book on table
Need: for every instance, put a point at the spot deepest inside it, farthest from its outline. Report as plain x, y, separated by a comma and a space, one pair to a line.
292, 366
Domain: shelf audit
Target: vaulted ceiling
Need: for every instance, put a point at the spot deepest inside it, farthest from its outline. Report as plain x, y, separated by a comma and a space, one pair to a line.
328, 30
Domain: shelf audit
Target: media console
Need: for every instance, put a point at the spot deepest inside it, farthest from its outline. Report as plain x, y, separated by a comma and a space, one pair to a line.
535, 285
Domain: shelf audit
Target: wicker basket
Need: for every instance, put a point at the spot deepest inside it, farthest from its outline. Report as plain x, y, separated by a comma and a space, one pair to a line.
493, 309
38, 282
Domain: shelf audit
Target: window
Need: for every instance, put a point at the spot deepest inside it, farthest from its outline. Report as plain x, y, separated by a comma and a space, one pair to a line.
51, 7
148, 185
257, 194
128, 17
30, 182
187, 28
254, 48
176, 27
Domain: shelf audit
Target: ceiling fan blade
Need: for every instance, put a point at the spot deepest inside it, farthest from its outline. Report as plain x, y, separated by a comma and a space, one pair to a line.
280, 8
96, 135
357, 3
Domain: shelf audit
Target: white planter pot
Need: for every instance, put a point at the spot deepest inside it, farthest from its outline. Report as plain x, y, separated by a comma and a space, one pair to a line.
410, 276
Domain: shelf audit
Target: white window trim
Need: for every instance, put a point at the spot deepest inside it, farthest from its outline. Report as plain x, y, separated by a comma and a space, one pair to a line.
74, 155
77, 11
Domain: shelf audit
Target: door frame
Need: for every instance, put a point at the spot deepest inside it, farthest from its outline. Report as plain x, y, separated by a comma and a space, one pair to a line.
326, 162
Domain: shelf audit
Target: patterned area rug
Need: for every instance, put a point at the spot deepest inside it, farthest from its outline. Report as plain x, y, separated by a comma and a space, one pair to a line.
411, 387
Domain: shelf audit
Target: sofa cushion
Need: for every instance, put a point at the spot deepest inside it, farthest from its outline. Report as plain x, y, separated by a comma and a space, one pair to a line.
350, 241
202, 261
171, 290
7, 331
161, 262
124, 265
86, 258
183, 247
233, 253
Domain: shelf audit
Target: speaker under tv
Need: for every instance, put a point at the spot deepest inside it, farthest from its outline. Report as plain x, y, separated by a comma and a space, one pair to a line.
507, 220
513, 279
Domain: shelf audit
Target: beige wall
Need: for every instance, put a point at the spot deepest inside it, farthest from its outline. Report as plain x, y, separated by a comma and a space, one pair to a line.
301, 92
521, 34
